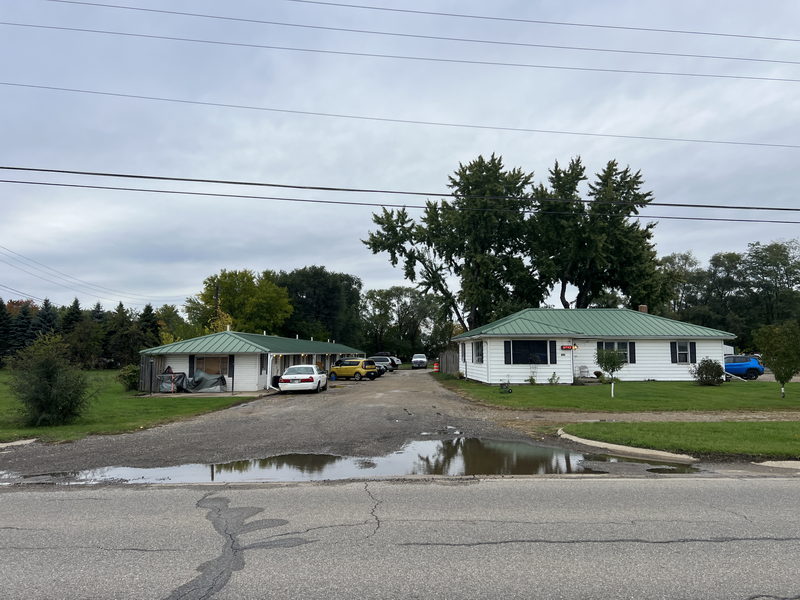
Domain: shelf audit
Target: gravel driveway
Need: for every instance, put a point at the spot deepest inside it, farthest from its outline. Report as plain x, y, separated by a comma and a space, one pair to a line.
366, 418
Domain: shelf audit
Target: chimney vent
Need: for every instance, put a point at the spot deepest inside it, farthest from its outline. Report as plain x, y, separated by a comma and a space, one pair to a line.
643, 308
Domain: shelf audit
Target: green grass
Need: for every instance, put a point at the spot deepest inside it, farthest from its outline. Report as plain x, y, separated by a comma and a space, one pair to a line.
771, 439
634, 396
111, 410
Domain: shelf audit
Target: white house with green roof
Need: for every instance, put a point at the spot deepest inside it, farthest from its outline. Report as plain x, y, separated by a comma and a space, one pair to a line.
248, 361
538, 342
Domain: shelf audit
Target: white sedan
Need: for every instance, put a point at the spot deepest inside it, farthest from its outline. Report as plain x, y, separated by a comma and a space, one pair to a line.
303, 378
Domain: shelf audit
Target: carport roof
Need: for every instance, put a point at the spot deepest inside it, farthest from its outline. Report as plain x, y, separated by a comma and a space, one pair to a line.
592, 323
234, 342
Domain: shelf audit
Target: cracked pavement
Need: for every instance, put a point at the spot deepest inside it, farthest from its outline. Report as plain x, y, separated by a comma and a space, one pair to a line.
580, 537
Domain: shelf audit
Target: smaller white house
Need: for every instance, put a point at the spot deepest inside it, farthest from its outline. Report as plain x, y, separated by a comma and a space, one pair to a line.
248, 361
546, 342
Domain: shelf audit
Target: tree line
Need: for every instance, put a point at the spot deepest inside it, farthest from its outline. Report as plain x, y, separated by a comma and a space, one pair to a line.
310, 303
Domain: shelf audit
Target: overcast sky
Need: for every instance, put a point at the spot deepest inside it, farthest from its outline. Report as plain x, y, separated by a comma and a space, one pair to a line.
159, 247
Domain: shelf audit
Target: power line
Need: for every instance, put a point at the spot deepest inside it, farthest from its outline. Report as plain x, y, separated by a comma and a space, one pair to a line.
532, 21
356, 190
433, 59
25, 294
394, 120
435, 37
370, 204
70, 278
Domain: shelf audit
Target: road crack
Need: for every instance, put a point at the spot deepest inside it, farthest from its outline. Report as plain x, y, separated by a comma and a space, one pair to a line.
231, 523
373, 510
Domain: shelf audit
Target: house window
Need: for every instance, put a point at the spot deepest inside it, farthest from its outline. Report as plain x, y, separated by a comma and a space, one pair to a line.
528, 352
683, 352
618, 346
477, 352
464, 352
213, 365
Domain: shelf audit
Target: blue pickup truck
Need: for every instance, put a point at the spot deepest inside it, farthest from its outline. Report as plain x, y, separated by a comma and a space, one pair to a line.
744, 366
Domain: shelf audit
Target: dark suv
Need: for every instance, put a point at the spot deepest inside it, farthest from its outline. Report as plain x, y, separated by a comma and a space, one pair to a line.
744, 366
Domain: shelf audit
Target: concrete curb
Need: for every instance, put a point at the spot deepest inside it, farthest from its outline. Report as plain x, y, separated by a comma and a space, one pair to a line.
632, 452
17, 443
780, 464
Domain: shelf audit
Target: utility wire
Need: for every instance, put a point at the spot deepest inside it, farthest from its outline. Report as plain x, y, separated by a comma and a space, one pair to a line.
433, 59
70, 288
372, 204
363, 190
70, 278
439, 37
392, 120
24, 294
521, 20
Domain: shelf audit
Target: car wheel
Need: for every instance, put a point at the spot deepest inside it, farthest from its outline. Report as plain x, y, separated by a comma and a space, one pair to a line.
357, 376
372, 376
752, 374
319, 388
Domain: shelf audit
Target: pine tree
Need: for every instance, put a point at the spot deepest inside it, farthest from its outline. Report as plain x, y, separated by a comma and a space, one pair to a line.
5, 331
72, 317
22, 331
47, 319
148, 327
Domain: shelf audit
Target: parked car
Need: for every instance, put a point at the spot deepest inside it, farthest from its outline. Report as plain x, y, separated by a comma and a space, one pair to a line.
419, 361
303, 378
397, 362
354, 368
385, 361
744, 365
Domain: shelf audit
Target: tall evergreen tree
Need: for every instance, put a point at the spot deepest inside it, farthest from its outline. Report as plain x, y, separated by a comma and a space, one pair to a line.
22, 332
47, 320
5, 331
72, 316
148, 326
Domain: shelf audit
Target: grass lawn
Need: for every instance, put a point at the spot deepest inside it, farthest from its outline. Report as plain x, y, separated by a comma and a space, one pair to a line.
771, 439
634, 396
111, 410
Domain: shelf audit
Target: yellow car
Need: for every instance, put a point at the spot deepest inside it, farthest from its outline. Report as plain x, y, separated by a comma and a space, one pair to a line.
355, 368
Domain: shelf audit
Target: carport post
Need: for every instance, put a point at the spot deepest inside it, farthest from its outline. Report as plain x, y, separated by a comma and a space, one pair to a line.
150, 374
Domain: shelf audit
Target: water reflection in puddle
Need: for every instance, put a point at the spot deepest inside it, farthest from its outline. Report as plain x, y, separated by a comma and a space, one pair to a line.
459, 456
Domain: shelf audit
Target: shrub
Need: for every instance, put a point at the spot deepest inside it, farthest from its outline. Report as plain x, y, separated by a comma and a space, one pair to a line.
598, 374
532, 380
554, 379
51, 390
708, 372
129, 377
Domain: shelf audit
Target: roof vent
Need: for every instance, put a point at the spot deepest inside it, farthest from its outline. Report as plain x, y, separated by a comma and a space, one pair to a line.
643, 308
227, 327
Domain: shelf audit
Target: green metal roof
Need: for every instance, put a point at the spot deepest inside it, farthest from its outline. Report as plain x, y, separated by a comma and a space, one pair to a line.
592, 323
234, 342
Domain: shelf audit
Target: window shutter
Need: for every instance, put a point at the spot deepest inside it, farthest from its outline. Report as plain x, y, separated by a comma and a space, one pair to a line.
191, 365
553, 355
673, 351
507, 351
230, 364
632, 353
692, 352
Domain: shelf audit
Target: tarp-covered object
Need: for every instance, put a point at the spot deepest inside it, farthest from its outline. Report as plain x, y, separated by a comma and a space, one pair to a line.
203, 382
173, 382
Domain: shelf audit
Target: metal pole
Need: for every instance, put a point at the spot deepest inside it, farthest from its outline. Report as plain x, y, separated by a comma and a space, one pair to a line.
151, 361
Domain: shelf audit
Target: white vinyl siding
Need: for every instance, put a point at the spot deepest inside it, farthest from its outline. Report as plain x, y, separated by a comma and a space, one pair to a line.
653, 359
495, 370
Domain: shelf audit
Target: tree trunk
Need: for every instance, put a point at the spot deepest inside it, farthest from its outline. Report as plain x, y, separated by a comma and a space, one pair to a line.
564, 301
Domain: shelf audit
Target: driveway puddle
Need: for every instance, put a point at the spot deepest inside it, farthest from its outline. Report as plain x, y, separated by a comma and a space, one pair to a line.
454, 457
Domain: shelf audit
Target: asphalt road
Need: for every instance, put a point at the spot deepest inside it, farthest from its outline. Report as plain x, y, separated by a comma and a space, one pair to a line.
576, 537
